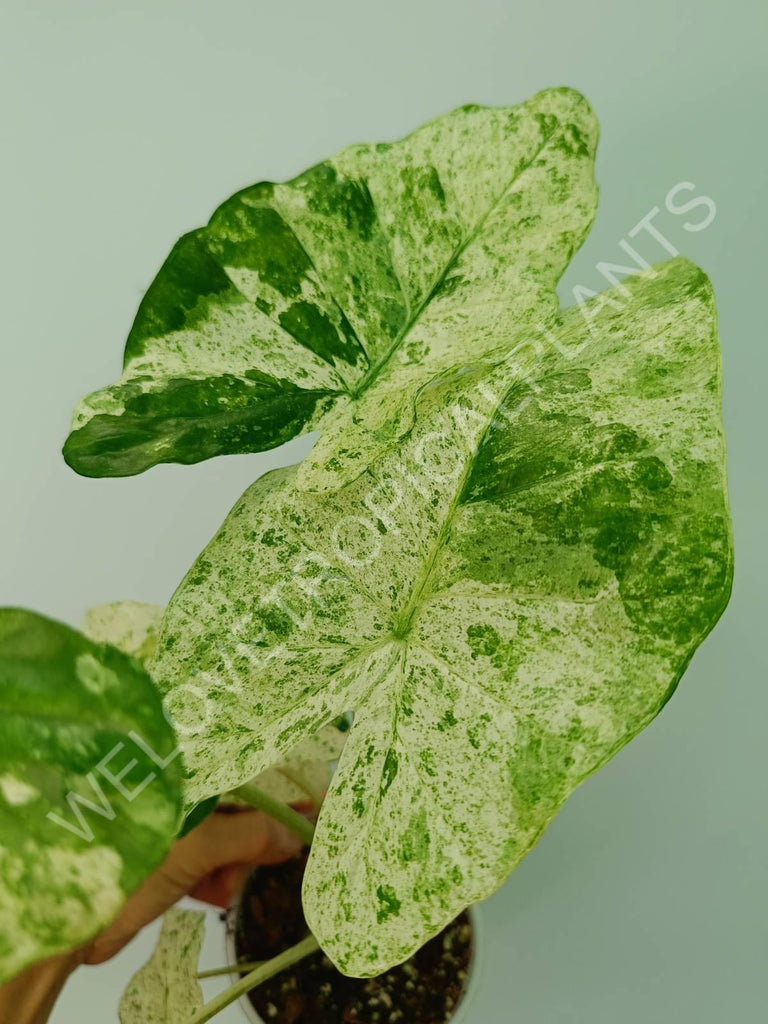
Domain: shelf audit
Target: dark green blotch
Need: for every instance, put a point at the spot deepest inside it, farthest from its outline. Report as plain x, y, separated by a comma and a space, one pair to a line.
198, 814
527, 445
572, 141
313, 328
199, 572
189, 421
538, 771
389, 904
257, 238
652, 474
447, 721
188, 275
347, 199
275, 620
389, 771
547, 123
423, 179
483, 640
415, 842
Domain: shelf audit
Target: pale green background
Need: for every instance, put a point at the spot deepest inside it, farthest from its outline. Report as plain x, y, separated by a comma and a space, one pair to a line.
126, 123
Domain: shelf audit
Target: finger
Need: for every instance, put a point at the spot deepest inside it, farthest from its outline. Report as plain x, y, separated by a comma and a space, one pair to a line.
246, 837
220, 888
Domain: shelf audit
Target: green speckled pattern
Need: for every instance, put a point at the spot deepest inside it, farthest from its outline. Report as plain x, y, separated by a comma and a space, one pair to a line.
503, 601
327, 302
66, 704
166, 989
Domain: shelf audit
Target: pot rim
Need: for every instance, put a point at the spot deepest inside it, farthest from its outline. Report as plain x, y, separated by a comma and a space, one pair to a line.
463, 1007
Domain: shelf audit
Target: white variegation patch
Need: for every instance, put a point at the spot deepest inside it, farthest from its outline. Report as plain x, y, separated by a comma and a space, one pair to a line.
38, 916
94, 676
128, 625
16, 792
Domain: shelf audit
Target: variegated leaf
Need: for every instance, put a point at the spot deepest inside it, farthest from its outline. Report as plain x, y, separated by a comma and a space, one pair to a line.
132, 627
306, 771
166, 989
329, 301
128, 625
503, 602
86, 810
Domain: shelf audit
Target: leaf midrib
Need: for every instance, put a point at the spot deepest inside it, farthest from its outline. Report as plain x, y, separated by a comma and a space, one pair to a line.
376, 367
406, 618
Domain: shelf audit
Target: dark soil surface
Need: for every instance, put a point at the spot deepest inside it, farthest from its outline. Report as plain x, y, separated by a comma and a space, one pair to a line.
424, 990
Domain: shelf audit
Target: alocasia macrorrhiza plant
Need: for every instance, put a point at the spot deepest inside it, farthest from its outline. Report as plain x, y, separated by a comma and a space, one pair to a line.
503, 549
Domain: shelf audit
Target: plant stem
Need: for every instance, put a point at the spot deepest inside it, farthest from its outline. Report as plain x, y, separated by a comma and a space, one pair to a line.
256, 977
231, 969
303, 783
281, 812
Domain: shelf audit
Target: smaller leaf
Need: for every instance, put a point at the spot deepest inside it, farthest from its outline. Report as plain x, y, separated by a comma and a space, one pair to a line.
166, 989
310, 761
326, 302
130, 626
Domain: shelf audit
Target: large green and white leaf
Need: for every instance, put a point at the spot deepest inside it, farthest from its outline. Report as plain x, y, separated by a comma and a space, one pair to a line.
503, 602
328, 301
128, 625
166, 989
86, 810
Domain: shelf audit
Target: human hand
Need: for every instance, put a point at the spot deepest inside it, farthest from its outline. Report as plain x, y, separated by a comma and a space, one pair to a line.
209, 863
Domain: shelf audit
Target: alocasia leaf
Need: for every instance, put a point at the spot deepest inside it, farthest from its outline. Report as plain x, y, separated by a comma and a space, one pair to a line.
128, 625
503, 602
166, 989
132, 627
86, 808
329, 301
306, 770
